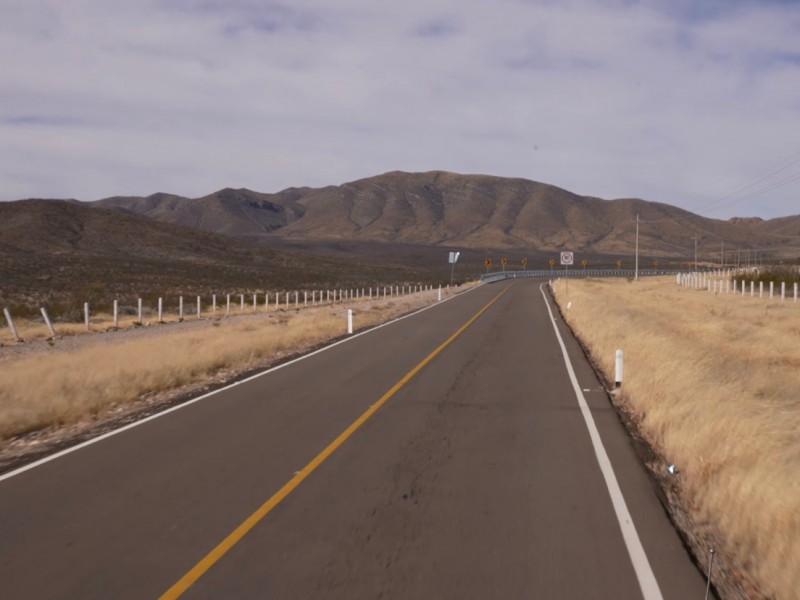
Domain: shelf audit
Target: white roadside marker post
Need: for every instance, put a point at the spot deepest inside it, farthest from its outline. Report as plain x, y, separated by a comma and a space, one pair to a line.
160, 310
86, 314
116, 314
349, 321
198, 307
139, 306
618, 369
180, 309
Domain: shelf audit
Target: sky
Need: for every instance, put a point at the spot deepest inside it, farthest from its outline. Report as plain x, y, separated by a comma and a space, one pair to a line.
695, 103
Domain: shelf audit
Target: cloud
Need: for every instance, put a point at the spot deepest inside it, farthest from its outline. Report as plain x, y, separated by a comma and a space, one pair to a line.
675, 102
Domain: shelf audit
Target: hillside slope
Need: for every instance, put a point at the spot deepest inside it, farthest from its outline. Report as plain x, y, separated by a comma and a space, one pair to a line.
60, 251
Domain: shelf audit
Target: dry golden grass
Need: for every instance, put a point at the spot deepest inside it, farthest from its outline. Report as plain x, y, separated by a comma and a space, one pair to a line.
714, 380
41, 390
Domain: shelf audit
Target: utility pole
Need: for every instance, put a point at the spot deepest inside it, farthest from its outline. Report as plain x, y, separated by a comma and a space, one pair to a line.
636, 270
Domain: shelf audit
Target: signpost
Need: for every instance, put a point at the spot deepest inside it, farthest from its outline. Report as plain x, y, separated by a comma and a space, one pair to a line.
567, 258
453, 260
488, 263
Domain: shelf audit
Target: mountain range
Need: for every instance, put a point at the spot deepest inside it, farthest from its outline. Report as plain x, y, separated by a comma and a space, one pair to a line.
466, 211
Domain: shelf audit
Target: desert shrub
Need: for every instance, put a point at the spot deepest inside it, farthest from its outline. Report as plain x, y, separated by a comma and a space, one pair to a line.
771, 274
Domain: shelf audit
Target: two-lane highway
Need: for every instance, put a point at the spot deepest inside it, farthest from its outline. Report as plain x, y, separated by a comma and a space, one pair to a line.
445, 455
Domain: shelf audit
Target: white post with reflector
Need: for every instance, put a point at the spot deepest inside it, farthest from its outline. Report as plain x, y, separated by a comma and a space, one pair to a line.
618, 369
349, 321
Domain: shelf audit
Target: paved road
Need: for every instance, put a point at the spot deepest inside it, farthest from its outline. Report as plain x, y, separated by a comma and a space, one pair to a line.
475, 477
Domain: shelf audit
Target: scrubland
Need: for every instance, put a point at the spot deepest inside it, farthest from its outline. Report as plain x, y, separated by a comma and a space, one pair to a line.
97, 373
713, 382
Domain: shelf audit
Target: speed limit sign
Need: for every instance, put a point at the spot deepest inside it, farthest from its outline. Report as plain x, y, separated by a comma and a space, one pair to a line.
567, 258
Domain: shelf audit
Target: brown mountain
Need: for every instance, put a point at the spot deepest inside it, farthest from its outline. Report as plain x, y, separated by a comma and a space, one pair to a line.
55, 251
466, 211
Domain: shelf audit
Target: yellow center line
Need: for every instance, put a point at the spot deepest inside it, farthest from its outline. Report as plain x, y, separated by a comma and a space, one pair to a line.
237, 534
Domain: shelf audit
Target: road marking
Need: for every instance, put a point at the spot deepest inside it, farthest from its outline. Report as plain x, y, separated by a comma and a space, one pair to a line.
237, 534
188, 403
644, 573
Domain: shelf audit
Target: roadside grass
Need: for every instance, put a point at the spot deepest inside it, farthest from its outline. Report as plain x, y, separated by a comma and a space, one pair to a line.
713, 381
60, 388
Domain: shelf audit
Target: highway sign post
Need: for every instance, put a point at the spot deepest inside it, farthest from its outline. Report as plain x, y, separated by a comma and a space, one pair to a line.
453, 260
567, 258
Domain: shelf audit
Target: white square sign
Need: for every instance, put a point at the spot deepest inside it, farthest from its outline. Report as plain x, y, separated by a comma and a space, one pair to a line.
567, 258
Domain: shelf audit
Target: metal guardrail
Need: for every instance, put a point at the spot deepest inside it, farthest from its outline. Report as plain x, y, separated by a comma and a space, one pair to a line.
547, 273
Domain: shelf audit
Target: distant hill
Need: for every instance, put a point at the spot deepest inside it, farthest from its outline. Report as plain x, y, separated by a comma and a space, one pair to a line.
469, 211
67, 252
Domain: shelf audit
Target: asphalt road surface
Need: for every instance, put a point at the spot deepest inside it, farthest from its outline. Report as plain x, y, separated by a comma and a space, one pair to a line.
445, 455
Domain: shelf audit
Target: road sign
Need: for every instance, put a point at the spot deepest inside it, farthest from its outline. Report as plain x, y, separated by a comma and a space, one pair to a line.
551, 262
524, 261
488, 262
454, 257
619, 264
584, 262
567, 258
504, 261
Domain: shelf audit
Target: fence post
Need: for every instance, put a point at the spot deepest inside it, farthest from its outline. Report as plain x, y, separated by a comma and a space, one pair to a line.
227, 305
783, 291
47, 322
760, 289
11, 325
116, 314
255, 302
198, 307
296, 299
349, 321
139, 305
618, 369
771, 289
86, 314
241, 303
160, 310
180, 308
213, 304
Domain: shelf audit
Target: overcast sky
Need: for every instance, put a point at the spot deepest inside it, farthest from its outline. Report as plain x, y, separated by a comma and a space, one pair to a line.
686, 102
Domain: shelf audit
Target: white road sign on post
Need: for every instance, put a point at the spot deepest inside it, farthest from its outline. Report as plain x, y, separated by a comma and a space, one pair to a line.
567, 258
453, 260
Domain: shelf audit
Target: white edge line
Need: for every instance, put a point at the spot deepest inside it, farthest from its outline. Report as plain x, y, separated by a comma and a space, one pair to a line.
644, 573
166, 411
